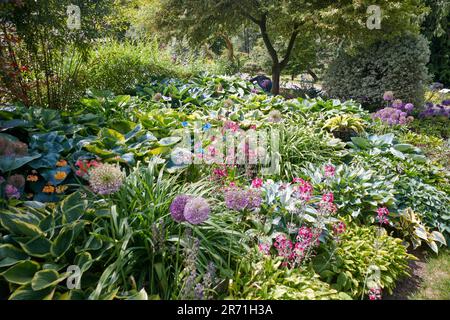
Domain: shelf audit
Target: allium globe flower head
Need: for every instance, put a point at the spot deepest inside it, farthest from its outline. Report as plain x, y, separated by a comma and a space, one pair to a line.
177, 207
397, 104
275, 116
409, 107
388, 96
196, 210
12, 192
106, 178
17, 181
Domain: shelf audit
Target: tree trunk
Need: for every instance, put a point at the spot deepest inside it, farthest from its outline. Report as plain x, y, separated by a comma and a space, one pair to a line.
230, 47
276, 73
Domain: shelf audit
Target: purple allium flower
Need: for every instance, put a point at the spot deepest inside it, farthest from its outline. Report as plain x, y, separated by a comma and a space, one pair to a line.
177, 207
446, 102
409, 107
388, 96
275, 116
397, 104
236, 199
12, 192
196, 210
106, 178
17, 181
254, 198
392, 116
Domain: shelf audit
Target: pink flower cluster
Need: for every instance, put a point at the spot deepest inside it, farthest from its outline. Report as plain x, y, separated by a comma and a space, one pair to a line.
375, 294
304, 189
231, 125
295, 253
327, 204
339, 228
382, 214
84, 166
257, 183
329, 171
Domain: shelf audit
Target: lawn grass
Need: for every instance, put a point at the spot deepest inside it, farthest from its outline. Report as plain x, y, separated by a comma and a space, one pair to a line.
436, 278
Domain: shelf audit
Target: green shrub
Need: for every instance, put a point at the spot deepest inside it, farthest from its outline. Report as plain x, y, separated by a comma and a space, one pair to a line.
119, 67
265, 278
397, 65
359, 252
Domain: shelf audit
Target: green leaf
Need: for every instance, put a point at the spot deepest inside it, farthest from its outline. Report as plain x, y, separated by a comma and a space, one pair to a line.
62, 242
21, 273
10, 255
19, 227
46, 278
169, 141
27, 293
9, 163
437, 236
73, 207
37, 247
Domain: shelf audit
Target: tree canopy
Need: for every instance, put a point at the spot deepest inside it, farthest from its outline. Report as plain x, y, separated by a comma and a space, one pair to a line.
200, 20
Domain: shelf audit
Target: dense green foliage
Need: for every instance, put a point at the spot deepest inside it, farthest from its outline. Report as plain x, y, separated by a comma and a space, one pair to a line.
397, 65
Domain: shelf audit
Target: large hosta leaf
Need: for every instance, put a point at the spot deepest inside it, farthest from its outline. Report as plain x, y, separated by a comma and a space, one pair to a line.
22, 272
27, 293
9, 163
62, 242
46, 278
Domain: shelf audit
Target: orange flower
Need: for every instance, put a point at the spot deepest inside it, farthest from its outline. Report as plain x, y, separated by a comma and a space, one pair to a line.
48, 189
61, 163
60, 175
61, 189
32, 178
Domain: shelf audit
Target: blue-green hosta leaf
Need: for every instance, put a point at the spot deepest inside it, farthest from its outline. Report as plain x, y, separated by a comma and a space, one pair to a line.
22, 272
403, 147
47, 160
397, 153
361, 142
56, 176
9, 163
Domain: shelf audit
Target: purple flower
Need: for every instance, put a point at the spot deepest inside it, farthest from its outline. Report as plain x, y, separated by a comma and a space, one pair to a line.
177, 207
106, 178
388, 96
196, 210
397, 104
2, 179
446, 102
239, 199
409, 107
12, 192
235, 199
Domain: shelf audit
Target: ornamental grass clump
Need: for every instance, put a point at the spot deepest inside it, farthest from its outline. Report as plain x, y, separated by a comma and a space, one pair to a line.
106, 178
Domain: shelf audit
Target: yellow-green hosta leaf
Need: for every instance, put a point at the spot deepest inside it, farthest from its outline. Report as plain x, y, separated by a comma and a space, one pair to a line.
62, 242
46, 278
22, 272
27, 293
